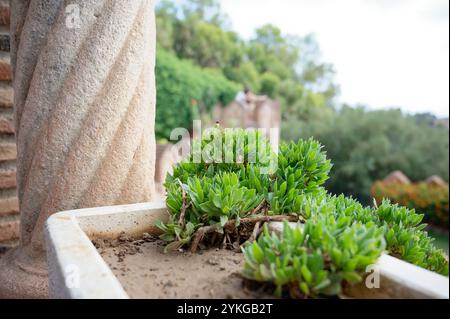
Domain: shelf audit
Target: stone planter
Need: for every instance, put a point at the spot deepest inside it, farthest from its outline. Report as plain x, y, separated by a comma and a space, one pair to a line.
71, 252
76, 269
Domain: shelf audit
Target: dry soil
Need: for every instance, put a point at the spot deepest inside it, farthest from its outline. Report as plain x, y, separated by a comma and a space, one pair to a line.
145, 271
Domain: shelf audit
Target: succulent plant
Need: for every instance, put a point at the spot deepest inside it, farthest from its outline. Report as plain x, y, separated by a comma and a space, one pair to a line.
214, 196
216, 200
315, 259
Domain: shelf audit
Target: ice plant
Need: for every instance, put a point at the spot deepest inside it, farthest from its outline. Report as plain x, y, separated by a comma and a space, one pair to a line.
217, 201
221, 199
315, 259
431, 200
348, 237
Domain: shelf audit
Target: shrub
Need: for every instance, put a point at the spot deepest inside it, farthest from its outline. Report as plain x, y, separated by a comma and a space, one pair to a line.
217, 196
339, 239
270, 84
184, 91
315, 260
212, 202
430, 200
365, 146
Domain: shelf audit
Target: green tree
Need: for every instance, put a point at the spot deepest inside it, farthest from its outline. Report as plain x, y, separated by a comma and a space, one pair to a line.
246, 74
204, 10
184, 91
166, 13
287, 68
207, 45
270, 84
270, 51
365, 146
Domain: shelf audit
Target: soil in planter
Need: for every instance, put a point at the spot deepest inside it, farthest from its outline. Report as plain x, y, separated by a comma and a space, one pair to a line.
145, 271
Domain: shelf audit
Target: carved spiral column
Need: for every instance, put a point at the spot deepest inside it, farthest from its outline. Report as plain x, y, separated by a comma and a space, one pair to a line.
84, 108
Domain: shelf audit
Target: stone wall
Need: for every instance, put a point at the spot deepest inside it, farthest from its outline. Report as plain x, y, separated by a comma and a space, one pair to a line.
265, 115
9, 212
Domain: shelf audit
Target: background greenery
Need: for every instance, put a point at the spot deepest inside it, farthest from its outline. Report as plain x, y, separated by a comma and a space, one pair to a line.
431, 200
202, 62
366, 146
185, 90
286, 68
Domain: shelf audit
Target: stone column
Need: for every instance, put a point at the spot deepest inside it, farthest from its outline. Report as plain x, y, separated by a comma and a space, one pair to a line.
84, 114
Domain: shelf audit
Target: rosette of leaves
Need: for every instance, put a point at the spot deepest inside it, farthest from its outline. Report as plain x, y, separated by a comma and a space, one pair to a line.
212, 201
401, 227
237, 149
430, 199
302, 169
225, 187
316, 259
407, 239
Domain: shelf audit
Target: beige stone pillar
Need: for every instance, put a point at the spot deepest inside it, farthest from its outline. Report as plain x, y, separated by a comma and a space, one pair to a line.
84, 114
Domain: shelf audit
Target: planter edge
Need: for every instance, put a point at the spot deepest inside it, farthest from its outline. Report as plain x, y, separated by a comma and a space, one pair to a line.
76, 269
398, 278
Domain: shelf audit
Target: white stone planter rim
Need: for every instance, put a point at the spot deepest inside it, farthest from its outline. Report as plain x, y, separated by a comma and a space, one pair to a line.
71, 254
76, 269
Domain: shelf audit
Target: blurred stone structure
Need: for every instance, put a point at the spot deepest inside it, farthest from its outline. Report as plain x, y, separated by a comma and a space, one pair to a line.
84, 111
397, 177
9, 207
265, 115
436, 180
167, 156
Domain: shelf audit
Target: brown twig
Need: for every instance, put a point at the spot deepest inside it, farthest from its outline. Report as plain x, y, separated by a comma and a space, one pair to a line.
255, 232
224, 241
263, 219
200, 233
214, 238
258, 208
184, 207
228, 239
230, 226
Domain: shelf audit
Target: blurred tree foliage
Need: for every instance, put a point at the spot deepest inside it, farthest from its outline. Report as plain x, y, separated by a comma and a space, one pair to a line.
284, 67
186, 91
428, 199
365, 146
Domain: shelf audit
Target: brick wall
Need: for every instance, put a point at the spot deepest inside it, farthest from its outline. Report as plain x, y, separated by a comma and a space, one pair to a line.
9, 212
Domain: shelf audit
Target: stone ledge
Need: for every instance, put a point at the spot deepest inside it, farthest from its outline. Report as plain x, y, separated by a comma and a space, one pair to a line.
9, 206
8, 152
69, 235
7, 179
5, 67
6, 96
10, 229
7, 123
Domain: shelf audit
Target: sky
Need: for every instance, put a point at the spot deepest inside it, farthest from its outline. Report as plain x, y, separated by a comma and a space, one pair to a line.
386, 53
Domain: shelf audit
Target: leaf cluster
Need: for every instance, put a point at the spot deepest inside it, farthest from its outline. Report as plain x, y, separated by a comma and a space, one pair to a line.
332, 248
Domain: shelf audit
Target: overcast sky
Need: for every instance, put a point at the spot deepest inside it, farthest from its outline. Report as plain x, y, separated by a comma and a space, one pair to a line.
387, 53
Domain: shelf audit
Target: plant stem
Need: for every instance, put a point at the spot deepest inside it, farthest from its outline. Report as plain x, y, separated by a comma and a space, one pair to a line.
255, 232
182, 221
230, 226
